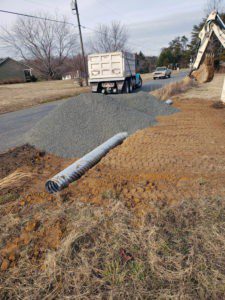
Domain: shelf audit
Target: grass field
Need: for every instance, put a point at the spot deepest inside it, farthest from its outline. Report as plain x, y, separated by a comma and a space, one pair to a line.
18, 96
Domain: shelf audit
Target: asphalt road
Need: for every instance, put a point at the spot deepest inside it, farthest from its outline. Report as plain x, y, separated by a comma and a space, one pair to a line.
14, 125
157, 84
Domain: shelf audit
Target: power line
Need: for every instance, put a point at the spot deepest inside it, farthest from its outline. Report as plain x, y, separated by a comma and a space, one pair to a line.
52, 20
116, 13
35, 17
57, 21
111, 9
99, 32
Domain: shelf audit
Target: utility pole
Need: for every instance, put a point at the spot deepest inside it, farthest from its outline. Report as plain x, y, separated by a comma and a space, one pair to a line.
76, 12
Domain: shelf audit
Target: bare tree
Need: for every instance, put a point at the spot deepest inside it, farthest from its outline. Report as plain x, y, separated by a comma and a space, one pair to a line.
214, 5
42, 44
110, 38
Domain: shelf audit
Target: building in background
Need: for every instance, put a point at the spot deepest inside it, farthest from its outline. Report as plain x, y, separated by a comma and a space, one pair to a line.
12, 71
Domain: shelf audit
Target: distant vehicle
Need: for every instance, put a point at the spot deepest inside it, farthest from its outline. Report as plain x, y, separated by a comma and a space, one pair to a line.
162, 72
113, 72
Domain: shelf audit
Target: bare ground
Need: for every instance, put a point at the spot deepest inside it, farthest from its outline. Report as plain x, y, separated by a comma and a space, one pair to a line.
18, 96
146, 222
207, 91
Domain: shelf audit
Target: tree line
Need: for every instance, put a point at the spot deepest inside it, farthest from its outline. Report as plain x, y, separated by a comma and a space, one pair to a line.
52, 48
182, 51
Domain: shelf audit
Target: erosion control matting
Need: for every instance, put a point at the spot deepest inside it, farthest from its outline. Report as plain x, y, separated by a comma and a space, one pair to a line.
84, 122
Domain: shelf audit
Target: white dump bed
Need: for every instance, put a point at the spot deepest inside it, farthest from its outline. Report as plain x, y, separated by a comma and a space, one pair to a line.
111, 66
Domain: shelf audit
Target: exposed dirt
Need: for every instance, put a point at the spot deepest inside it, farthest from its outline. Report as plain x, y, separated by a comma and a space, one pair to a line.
181, 158
206, 91
206, 71
22, 205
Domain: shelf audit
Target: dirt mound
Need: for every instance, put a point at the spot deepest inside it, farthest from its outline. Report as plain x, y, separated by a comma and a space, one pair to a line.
206, 71
82, 123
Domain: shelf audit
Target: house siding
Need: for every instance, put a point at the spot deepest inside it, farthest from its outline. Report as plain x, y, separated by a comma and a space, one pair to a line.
11, 70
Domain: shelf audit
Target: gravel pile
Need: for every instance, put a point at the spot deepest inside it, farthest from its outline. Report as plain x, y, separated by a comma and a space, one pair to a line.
146, 103
82, 123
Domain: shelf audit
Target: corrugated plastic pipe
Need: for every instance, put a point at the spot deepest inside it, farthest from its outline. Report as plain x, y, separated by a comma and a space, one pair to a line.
77, 169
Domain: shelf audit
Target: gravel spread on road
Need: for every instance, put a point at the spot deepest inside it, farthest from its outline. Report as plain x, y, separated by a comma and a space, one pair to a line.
82, 123
146, 103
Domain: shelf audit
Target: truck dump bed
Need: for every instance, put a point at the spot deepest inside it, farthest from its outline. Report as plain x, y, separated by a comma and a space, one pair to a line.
111, 66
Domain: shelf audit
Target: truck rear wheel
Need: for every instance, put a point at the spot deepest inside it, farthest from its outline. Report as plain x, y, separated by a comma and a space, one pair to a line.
131, 86
126, 87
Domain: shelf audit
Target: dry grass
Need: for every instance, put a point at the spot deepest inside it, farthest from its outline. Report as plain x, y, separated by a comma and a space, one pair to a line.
15, 179
175, 88
18, 96
175, 253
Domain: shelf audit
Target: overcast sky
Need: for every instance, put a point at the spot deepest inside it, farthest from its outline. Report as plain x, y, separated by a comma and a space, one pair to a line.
151, 23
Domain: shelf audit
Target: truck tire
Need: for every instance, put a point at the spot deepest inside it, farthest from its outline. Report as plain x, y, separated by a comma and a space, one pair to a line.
126, 87
140, 84
131, 86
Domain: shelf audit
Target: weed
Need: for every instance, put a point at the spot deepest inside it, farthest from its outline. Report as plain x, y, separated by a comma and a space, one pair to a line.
174, 88
8, 197
202, 181
109, 194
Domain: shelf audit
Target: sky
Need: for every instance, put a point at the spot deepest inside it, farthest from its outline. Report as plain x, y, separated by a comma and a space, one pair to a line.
151, 24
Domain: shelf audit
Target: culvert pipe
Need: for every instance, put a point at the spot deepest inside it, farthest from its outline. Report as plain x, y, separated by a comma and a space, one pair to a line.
81, 166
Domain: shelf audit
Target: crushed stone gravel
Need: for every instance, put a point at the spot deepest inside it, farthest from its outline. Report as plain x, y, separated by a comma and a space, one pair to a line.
82, 123
146, 103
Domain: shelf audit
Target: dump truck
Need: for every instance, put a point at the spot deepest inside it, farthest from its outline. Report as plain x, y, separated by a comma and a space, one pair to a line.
113, 72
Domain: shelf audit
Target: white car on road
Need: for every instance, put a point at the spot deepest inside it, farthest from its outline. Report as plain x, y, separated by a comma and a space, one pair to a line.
162, 72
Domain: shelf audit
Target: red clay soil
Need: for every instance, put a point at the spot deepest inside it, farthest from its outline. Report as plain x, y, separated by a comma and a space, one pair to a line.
181, 158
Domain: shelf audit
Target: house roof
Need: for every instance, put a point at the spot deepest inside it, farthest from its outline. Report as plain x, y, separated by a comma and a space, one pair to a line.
2, 60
